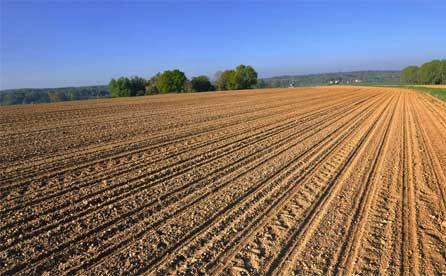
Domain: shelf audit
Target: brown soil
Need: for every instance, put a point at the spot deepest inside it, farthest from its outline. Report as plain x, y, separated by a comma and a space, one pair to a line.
308, 181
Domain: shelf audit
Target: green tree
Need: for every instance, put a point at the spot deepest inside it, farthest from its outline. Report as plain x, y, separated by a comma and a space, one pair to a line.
137, 86
261, 84
125, 87
409, 75
225, 79
31, 97
431, 72
201, 83
120, 87
73, 94
171, 81
276, 83
151, 88
57, 96
11, 98
243, 77
188, 87
443, 71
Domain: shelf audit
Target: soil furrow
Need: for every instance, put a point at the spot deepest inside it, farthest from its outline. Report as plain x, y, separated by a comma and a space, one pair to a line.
160, 180
349, 249
256, 199
321, 211
137, 148
311, 181
134, 165
124, 216
234, 239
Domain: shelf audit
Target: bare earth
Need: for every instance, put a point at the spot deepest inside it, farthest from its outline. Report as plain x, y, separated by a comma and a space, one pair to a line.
309, 181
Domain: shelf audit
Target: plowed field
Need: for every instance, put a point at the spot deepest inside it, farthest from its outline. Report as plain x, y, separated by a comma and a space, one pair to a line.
309, 181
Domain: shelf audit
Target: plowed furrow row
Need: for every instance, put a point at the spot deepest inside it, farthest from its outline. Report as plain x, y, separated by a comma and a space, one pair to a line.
435, 131
282, 150
332, 180
129, 165
125, 216
436, 107
378, 250
182, 122
187, 123
428, 155
72, 122
209, 247
159, 178
152, 115
137, 146
429, 202
253, 198
328, 223
348, 251
67, 119
61, 113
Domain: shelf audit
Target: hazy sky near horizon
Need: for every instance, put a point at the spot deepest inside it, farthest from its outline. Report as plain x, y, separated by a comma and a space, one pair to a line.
74, 43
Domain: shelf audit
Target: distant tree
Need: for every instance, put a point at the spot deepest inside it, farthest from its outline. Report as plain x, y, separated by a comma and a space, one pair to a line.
137, 86
171, 81
45, 95
276, 83
11, 98
201, 83
74, 94
409, 75
125, 87
31, 97
57, 96
151, 86
120, 87
430, 72
261, 84
188, 87
225, 80
243, 77
443, 71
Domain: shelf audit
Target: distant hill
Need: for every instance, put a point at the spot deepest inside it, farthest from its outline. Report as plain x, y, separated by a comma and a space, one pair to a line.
46, 95
355, 77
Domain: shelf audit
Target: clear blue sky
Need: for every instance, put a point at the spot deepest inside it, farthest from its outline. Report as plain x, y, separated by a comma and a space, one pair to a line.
61, 43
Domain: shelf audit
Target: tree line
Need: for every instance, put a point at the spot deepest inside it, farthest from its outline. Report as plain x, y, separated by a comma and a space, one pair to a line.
432, 72
241, 77
175, 81
47, 95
